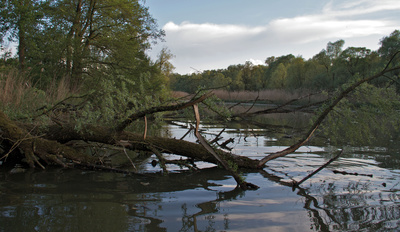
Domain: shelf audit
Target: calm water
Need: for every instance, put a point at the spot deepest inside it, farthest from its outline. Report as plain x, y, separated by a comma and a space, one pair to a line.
206, 200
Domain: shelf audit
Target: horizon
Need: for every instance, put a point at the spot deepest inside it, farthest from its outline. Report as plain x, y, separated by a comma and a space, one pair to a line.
209, 35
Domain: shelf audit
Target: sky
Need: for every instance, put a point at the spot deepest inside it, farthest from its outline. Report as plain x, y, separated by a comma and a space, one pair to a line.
213, 34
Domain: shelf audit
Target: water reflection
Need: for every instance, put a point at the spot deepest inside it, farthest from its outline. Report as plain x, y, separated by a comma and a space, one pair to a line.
71, 200
356, 208
207, 200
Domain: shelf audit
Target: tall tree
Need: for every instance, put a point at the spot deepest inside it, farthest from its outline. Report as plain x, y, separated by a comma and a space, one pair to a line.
296, 74
278, 78
355, 59
390, 45
111, 35
18, 21
334, 49
327, 57
164, 62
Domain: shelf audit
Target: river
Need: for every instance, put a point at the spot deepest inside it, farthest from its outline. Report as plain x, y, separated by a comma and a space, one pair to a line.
366, 199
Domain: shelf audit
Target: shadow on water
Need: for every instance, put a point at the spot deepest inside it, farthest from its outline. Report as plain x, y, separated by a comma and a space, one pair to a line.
207, 200
73, 200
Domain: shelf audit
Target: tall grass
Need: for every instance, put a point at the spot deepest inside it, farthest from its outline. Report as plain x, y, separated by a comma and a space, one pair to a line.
18, 94
13, 88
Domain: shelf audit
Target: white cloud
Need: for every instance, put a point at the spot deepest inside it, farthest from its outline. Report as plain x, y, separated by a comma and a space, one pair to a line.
209, 30
360, 7
256, 62
210, 46
311, 28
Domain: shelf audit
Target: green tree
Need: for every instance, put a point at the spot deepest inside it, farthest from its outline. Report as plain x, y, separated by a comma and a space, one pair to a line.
334, 49
109, 35
258, 77
164, 62
219, 80
296, 73
247, 70
235, 73
390, 45
270, 60
356, 60
19, 20
273, 63
278, 78
327, 58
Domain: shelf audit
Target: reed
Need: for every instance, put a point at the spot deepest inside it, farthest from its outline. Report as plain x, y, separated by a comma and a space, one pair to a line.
268, 96
17, 92
61, 89
13, 88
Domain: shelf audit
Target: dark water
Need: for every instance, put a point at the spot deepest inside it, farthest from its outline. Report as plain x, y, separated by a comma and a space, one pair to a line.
206, 200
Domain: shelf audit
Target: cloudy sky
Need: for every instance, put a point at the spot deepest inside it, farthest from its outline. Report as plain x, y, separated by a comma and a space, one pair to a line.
213, 34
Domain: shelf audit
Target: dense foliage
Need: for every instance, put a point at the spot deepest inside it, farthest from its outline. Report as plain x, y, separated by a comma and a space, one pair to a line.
95, 46
326, 70
96, 49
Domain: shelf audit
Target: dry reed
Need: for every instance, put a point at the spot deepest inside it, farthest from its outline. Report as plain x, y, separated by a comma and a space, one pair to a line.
13, 88
268, 96
17, 90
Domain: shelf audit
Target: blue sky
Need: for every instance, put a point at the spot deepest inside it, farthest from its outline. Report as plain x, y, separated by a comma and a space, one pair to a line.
213, 34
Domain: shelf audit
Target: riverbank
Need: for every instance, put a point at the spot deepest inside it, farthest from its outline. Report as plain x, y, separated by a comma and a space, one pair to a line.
270, 96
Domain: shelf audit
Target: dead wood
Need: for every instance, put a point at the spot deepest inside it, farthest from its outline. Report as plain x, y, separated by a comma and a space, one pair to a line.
352, 173
51, 146
323, 115
296, 184
37, 149
173, 107
239, 180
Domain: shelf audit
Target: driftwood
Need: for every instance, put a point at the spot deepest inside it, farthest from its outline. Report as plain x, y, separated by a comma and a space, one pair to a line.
297, 184
49, 146
323, 115
239, 180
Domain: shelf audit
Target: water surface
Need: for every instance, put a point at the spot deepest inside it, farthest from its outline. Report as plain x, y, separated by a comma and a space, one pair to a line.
207, 200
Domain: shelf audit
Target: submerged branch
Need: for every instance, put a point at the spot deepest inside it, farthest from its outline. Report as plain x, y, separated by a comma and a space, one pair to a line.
323, 115
243, 184
296, 184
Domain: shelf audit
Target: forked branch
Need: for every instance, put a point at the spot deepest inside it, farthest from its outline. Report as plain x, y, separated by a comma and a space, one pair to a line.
157, 109
323, 115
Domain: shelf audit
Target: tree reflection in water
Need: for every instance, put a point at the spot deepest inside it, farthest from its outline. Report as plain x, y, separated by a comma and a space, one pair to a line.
351, 209
71, 200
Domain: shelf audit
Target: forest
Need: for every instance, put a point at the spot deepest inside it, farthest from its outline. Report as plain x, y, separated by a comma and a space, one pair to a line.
332, 67
82, 73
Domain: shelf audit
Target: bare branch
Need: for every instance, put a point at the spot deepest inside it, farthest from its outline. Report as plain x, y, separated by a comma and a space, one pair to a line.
322, 116
157, 109
244, 185
296, 184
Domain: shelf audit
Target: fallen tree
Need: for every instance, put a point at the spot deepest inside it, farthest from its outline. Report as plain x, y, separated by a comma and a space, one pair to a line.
48, 145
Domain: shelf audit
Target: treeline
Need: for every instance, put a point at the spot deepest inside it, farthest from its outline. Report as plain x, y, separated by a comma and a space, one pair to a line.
328, 69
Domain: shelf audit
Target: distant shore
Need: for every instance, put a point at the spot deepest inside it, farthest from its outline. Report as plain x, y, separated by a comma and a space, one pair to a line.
272, 96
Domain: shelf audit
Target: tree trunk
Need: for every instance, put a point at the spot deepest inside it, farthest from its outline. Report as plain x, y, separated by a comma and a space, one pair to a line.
135, 141
22, 40
50, 146
36, 149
